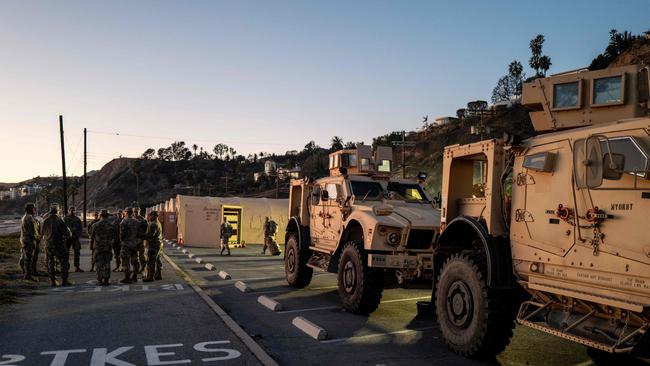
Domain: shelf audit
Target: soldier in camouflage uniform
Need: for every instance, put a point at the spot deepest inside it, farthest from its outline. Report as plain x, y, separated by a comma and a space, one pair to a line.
129, 238
92, 241
55, 233
74, 224
142, 230
29, 238
117, 219
154, 248
102, 235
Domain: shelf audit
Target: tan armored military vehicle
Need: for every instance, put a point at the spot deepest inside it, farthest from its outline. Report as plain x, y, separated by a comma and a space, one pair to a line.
361, 224
572, 232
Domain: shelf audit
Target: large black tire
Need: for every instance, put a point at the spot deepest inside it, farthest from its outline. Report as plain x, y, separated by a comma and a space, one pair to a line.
475, 322
360, 286
295, 263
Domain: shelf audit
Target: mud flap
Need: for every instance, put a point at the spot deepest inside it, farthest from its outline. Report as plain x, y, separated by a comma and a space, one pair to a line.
642, 348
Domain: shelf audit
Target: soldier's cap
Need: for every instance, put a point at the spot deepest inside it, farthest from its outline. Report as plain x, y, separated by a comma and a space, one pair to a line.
29, 206
129, 210
54, 209
154, 213
103, 213
136, 209
72, 209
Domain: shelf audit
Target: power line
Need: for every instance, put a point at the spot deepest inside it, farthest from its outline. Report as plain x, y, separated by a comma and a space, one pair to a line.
177, 138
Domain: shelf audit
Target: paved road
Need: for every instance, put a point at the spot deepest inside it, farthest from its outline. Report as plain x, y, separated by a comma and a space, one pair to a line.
164, 323
393, 335
9, 226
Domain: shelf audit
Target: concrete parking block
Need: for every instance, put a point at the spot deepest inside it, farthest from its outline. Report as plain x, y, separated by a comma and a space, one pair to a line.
309, 328
198, 260
269, 303
241, 286
209, 266
224, 275
184, 251
190, 255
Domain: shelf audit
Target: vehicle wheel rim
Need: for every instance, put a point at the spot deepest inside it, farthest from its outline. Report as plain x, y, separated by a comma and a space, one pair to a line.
291, 260
460, 304
349, 277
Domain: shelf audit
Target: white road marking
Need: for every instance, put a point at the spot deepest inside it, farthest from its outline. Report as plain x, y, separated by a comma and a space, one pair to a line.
60, 357
409, 299
271, 291
153, 355
309, 309
321, 288
375, 335
101, 357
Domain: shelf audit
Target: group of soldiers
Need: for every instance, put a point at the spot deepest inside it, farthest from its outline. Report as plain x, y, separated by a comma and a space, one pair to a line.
135, 243
270, 228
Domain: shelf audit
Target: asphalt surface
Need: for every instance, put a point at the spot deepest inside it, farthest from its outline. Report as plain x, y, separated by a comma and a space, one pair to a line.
159, 323
393, 335
9, 226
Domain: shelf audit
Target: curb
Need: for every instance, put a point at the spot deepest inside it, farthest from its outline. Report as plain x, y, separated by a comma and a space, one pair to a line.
309, 328
253, 346
269, 303
241, 286
224, 275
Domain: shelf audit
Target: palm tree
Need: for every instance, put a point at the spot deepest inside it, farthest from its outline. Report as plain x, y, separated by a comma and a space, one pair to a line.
195, 147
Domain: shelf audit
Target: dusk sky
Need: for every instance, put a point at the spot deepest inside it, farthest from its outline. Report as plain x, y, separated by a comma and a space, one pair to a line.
263, 75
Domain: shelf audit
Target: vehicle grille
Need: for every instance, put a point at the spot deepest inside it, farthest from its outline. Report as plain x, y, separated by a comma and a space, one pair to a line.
420, 239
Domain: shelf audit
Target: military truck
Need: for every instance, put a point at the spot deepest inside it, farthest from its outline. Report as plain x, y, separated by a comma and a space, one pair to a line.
560, 217
361, 224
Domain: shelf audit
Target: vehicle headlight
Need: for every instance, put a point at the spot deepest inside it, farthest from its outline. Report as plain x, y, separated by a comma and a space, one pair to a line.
393, 239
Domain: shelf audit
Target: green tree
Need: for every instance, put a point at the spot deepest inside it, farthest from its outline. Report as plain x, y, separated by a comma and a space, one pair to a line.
337, 143
148, 154
540, 63
618, 43
509, 86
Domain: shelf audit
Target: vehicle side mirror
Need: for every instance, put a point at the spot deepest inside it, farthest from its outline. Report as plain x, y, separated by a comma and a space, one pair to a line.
613, 166
324, 196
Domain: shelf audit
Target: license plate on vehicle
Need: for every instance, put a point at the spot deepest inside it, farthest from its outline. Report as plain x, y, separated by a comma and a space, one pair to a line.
391, 261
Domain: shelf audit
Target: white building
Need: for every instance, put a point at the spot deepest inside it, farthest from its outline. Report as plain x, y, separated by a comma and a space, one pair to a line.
270, 167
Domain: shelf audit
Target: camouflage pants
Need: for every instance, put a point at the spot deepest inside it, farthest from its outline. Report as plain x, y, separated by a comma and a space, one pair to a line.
154, 263
28, 257
58, 252
130, 259
141, 257
224, 244
117, 251
103, 263
75, 245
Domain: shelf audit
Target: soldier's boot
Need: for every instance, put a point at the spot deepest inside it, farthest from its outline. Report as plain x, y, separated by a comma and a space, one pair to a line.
134, 277
105, 282
64, 280
157, 276
77, 269
127, 277
148, 277
92, 267
28, 277
53, 281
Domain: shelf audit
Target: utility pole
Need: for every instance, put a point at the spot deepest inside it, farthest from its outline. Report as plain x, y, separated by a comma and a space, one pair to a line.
65, 183
85, 177
404, 144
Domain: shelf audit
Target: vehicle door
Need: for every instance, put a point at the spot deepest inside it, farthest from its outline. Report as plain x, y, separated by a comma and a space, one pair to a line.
333, 217
317, 209
614, 208
542, 199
